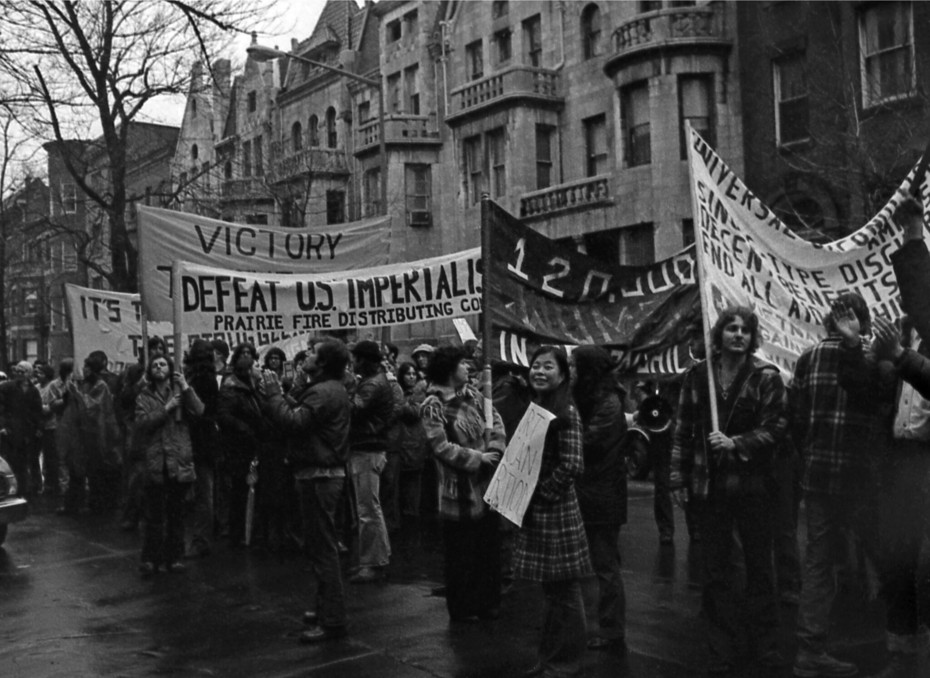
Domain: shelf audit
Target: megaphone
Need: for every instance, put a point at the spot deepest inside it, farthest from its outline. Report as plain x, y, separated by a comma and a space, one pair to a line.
654, 414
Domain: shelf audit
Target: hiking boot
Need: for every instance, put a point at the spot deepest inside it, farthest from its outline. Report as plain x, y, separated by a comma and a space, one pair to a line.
811, 665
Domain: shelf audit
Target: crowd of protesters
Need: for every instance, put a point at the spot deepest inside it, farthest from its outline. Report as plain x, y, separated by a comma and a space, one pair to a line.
345, 444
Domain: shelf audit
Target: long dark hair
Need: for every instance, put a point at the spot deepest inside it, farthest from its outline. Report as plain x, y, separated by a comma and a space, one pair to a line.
559, 400
593, 378
199, 360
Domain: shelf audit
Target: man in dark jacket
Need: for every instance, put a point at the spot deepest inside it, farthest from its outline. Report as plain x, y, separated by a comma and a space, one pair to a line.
602, 489
20, 425
372, 413
321, 417
728, 466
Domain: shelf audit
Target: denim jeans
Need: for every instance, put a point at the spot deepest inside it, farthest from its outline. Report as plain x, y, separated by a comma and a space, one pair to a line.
563, 644
827, 516
374, 548
319, 501
604, 542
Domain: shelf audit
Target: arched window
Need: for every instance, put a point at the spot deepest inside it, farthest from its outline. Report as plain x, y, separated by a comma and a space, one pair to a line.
314, 131
591, 31
194, 152
297, 137
331, 127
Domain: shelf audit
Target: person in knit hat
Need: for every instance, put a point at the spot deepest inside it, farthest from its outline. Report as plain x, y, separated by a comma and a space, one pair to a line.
421, 356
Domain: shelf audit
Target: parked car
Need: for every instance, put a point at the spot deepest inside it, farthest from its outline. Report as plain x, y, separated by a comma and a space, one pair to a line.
13, 508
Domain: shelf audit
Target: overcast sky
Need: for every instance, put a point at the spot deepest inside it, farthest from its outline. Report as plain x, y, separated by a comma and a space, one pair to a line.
298, 19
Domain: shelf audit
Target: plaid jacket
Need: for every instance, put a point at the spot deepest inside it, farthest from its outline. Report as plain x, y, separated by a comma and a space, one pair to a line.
839, 429
756, 421
551, 545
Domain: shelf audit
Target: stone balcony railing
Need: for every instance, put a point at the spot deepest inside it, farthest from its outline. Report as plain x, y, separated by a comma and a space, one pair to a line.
679, 27
520, 83
287, 164
571, 195
398, 129
250, 188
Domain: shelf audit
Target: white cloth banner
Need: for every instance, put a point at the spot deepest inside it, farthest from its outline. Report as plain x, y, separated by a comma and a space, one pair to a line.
749, 257
267, 307
166, 236
515, 479
110, 322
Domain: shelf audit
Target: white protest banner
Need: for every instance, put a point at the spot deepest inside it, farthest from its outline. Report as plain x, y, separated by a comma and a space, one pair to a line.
466, 333
516, 476
267, 307
110, 322
166, 236
749, 257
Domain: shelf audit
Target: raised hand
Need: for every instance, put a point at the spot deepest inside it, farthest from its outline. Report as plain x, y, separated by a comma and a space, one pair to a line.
847, 324
886, 341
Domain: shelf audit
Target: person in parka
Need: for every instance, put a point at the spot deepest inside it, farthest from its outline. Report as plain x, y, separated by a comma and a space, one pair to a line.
321, 418
729, 466
602, 490
163, 410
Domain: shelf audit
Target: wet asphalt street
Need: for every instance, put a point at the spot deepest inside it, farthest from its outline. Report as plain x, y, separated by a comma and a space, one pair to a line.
72, 604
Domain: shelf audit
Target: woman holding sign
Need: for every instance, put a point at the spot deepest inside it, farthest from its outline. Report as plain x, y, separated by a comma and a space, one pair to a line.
453, 416
551, 547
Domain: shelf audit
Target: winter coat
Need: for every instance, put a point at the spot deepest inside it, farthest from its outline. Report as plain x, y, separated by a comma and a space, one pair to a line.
407, 436
756, 420
20, 414
372, 414
602, 490
243, 426
88, 435
319, 420
551, 544
454, 425
164, 436
204, 430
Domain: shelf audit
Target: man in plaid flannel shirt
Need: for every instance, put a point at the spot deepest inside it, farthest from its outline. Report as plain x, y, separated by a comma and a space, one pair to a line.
838, 433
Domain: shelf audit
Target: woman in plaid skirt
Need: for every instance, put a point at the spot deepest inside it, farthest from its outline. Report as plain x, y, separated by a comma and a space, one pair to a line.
551, 547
